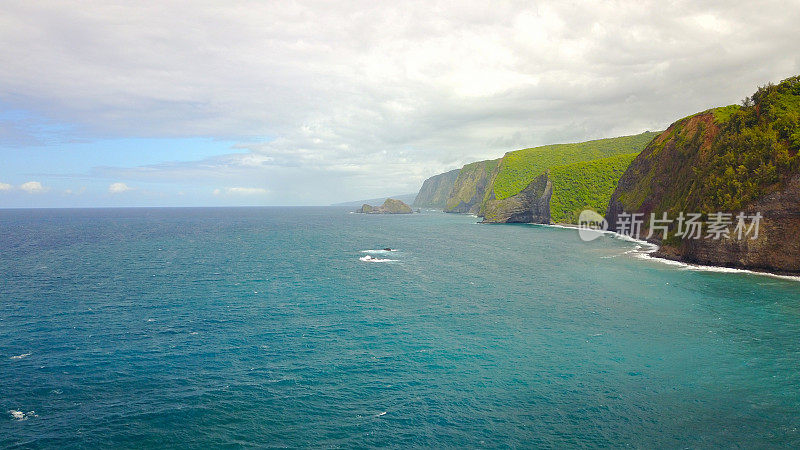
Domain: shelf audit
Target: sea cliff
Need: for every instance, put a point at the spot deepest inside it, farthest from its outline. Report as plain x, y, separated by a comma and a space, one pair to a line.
436, 190
469, 189
583, 175
531, 205
734, 161
731, 161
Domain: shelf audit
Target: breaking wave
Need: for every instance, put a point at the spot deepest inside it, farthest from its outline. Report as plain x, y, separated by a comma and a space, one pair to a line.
374, 259
644, 250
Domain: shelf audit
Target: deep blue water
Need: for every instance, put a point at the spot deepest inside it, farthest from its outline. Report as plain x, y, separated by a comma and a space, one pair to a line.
261, 327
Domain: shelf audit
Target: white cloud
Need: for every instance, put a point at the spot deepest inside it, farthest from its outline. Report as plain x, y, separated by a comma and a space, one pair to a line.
241, 191
116, 188
75, 192
346, 91
33, 187
5, 187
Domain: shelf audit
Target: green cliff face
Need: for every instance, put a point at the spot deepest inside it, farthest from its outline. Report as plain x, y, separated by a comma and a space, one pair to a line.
436, 190
470, 187
585, 185
576, 186
732, 159
531, 205
561, 193
721, 159
480, 187
520, 167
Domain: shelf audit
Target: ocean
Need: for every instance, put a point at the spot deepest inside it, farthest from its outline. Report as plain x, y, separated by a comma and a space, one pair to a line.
269, 327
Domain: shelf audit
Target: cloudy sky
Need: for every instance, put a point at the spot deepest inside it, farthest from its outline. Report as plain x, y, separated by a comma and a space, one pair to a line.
309, 103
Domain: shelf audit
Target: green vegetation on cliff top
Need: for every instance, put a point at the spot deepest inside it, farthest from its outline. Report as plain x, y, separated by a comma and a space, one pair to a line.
724, 113
585, 185
520, 167
756, 149
721, 159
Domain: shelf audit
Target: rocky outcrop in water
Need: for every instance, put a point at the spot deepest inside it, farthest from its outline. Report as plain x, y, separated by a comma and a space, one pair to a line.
390, 206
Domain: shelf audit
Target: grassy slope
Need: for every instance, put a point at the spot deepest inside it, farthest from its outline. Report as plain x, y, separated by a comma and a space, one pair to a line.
519, 168
585, 185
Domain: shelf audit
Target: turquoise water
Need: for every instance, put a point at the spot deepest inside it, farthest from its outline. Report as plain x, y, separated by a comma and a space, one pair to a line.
262, 327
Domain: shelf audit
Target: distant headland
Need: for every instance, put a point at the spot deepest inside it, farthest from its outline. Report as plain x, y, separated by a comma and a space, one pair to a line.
717, 165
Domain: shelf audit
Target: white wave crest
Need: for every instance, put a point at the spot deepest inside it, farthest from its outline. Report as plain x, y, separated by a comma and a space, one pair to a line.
717, 269
374, 259
644, 250
19, 415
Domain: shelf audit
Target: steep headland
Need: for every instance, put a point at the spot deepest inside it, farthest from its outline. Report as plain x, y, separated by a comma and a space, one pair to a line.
531, 205
582, 175
571, 188
436, 190
470, 187
731, 160
518, 168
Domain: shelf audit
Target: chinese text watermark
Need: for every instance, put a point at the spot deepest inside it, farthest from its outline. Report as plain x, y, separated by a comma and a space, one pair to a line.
717, 225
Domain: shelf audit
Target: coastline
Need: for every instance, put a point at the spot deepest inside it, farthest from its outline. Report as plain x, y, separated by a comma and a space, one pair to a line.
649, 254
653, 248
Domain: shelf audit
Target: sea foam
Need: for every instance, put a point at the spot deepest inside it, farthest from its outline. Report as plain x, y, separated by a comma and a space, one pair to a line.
19, 415
644, 250
373, 259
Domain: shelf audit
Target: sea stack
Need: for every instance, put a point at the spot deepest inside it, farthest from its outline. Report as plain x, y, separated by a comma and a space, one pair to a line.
390, 206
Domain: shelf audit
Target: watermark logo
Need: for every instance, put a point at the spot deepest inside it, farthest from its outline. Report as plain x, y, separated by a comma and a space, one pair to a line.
718, 225
591, 225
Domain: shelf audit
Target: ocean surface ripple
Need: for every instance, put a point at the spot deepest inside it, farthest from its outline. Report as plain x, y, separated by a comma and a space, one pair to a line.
197, 328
